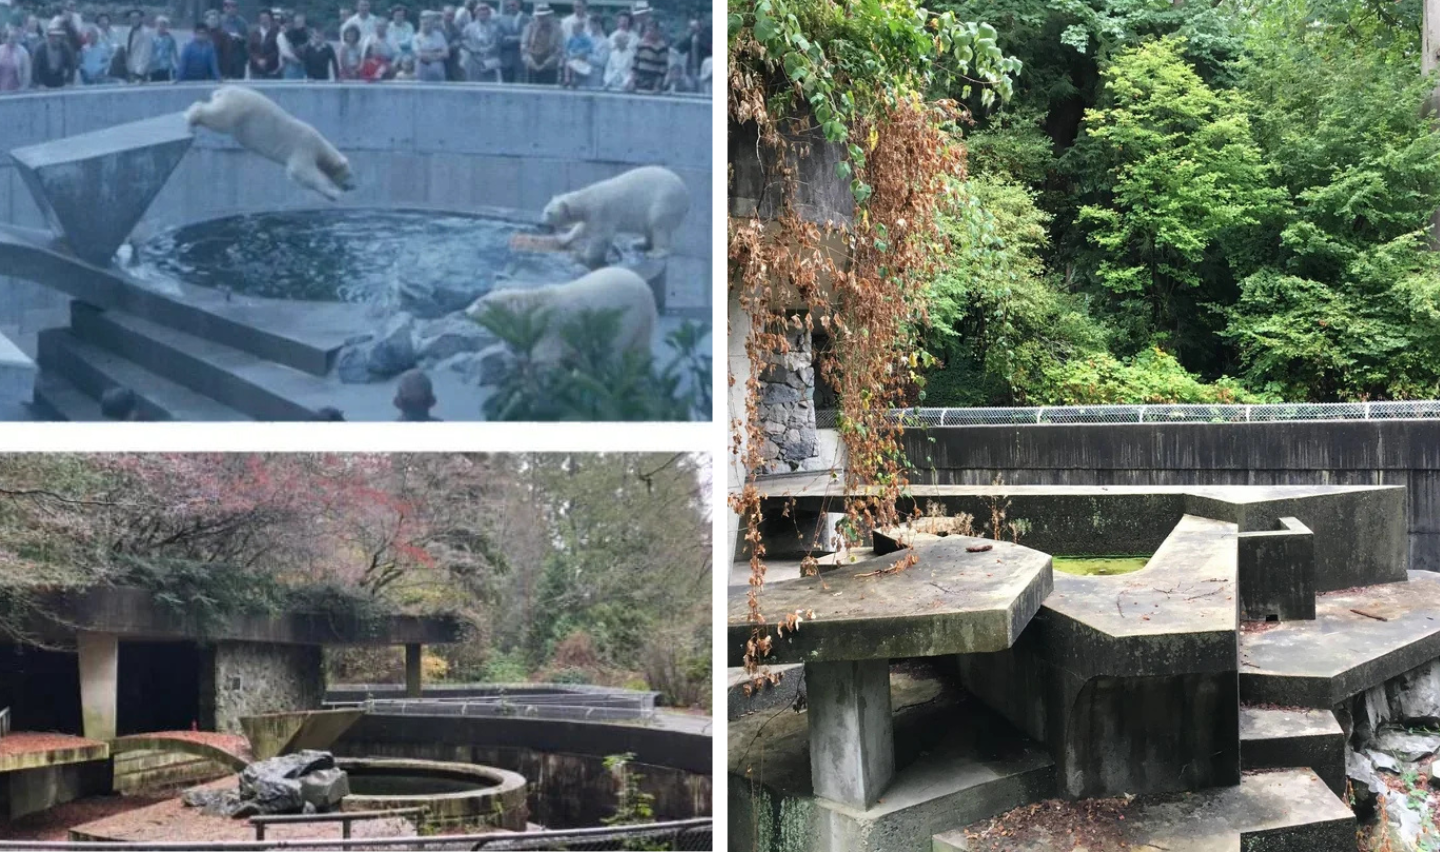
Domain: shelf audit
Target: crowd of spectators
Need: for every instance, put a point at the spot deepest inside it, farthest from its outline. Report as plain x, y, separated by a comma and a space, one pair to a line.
474, 42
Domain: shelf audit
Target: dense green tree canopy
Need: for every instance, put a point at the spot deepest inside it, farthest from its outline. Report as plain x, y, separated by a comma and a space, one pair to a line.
1195, 202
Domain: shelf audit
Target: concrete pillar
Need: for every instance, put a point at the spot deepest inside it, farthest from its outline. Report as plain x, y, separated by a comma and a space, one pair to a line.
412, 670
852, 736
99, 682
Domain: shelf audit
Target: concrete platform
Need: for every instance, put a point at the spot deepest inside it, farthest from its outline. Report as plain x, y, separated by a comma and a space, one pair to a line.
1285, 811
771, 696
1278, 738
952, 601
1359, 639
32, 750
955, 762
1360, 532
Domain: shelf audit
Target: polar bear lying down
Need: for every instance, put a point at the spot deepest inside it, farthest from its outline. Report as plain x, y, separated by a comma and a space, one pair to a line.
613, 287
262, 127
650, 200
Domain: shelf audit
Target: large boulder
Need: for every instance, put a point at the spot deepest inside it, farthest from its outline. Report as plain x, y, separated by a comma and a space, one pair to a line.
370, 358
440, 339
431, 300
324, 788
1405, 746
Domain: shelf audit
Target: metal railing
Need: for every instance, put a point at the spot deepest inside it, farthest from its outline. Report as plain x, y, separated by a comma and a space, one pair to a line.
579, 703
1161, 413
690, 835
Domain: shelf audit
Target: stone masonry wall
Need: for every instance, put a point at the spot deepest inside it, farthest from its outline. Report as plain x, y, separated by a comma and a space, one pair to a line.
787, 409
247, 678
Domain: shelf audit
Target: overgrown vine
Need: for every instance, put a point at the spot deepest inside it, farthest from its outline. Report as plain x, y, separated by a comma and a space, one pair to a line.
856, 75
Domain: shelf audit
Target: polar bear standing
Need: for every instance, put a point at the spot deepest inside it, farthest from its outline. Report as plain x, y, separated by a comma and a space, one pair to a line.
650, 200
613, 287
262, 127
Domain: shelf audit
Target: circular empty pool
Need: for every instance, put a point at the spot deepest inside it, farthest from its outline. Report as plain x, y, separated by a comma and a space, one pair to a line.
451, 792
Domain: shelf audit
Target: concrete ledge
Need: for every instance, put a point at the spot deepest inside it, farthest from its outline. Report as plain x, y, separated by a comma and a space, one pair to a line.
134, 613
1359, 639
767, 697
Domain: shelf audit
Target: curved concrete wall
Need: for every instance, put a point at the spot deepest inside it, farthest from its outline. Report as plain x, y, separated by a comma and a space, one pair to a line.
563, 761
457, 147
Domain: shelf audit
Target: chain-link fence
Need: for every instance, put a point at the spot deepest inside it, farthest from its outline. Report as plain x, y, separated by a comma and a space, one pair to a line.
1267, 413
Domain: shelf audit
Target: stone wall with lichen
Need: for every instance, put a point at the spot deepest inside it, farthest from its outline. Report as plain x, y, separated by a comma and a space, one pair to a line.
247, 678
787, 408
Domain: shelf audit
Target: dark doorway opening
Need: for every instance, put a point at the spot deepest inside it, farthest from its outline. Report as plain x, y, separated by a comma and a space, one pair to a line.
159, 687
41, 688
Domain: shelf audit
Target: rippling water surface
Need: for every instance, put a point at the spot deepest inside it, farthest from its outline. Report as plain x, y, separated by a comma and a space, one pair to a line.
352, 255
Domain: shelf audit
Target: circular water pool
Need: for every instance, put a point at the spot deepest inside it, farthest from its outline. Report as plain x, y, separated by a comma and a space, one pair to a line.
347, 254
450, 792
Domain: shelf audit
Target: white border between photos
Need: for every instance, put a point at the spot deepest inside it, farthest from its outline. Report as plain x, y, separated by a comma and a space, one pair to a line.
719, 441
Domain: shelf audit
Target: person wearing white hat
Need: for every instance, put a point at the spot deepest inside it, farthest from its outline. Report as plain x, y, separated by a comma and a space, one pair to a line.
542, 47
54, 63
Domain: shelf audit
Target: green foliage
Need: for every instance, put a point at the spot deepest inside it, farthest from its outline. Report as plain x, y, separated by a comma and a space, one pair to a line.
633, 806
1152, 376
1171, 177
596, 381
506, 668
206, 596
845, 64
571, 676
1000, 323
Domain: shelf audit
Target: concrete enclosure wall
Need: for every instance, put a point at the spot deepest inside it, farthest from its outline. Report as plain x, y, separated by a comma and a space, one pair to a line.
562, 761
248, 678
1377, 452
453, 147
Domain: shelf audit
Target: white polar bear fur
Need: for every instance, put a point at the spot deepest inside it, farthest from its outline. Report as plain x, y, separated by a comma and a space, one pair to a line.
650, 200
604, 289
262, 127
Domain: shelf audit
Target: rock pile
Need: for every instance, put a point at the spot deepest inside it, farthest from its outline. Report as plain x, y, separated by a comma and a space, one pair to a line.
305, 782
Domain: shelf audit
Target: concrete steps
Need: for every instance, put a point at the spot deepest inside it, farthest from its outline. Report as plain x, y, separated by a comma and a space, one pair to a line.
57, 399
239, 381
1278, 738
92, 371
1360, 638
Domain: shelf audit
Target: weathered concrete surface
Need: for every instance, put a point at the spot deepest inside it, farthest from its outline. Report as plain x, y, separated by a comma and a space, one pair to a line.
1277, 573
133, 612
852, 748
956, 762
951, 601
1131, 679
497, 797
99, 682
93, 188
1342, 652
1277, 738
769, 696
1284, 811
185, 745
17, 375
1359, 530
279, 733
28, 791
564, 761
1379, 452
